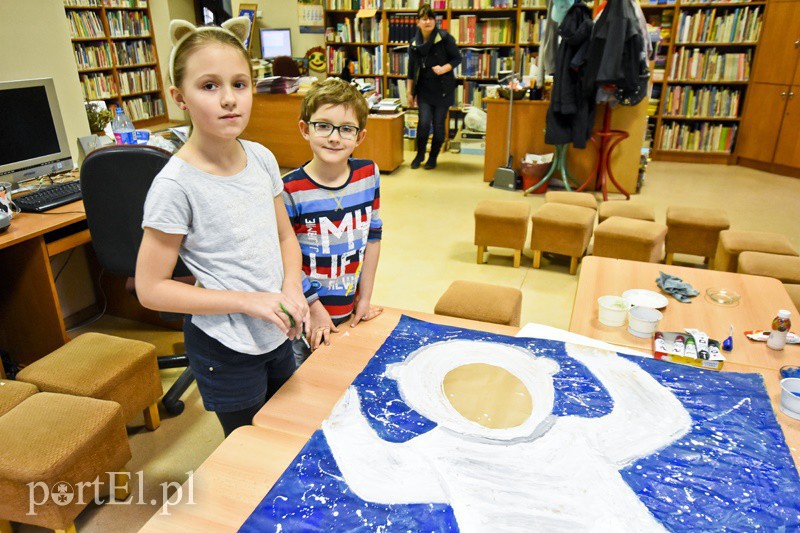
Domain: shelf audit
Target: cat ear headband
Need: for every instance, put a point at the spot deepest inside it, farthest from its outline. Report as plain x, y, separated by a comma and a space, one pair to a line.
180, 30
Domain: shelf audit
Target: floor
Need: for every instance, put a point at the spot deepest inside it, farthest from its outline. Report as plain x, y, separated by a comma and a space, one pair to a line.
427, 243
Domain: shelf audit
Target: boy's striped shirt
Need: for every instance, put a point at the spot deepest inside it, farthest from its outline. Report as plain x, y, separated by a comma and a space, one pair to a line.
333, 226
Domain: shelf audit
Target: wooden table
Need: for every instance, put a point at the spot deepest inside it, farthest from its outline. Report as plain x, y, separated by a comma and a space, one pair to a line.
231, 483
273, 123
31, 323
761, 298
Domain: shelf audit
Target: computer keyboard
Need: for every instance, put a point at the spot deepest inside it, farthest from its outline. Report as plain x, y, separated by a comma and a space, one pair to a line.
53, 196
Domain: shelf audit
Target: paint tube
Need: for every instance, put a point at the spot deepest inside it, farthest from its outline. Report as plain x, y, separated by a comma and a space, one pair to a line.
659, 343
678, 346
700, 341
691, 348
713, 350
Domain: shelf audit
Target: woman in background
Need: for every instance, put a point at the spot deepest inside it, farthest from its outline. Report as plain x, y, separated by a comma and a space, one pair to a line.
432, 56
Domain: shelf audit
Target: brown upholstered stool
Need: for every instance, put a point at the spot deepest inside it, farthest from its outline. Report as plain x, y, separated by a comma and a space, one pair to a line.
52, 439
628, 238
561, 229
103, 367
481, 301
695, 231
503, 224
626, 209
794, 293
732, 243
783, 267
582, 199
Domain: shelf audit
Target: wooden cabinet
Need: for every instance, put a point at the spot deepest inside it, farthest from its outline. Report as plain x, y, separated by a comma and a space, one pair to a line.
780, 45
787, 152
758, 135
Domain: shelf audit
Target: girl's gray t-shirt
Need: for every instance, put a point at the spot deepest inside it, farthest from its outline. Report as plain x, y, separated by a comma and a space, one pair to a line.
231, 237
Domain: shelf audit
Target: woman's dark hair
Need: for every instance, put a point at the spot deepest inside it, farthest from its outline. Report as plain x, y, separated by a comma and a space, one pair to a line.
425, 12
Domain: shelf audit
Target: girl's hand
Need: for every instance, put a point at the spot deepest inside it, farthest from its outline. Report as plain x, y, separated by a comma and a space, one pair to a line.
295, 294
365, 311
440, 69
410, 99
321, 325
267, 306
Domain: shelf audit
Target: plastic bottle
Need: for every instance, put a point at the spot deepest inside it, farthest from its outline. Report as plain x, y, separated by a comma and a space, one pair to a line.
123, 129
780, 328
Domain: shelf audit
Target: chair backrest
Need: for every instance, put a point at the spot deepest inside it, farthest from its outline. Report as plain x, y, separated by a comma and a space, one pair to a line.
114, 183
285, 66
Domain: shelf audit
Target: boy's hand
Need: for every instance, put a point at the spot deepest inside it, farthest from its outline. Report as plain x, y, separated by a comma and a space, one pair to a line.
365, 311
321, 326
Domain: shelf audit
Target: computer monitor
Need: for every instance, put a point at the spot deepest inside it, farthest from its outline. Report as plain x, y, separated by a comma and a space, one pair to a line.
276, 42
34, 141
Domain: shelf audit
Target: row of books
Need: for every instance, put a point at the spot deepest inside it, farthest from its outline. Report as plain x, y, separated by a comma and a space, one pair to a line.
402, 28
438, 5
484, 63
82, 3
470, 30
362, 62
133, 52
83, 24
710, 65
359, 30
109, 3
530, 31
470, 93
481, 4
128, 24
718, 102
727, 26
143, 107
398, 61
353, 4
137, 81
98, 86
700, 137
527, 60
533, 3
92, 55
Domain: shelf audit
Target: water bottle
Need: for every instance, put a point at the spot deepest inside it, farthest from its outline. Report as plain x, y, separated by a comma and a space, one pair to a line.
123, 129
780, 329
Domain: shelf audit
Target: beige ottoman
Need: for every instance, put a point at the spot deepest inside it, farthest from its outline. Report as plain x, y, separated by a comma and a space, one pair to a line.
482, 302
103, 367
694, 230
582, 199
626, 209
783, 267
50, 439
794, 293
628, 238
732, 243
503, 224
561, 229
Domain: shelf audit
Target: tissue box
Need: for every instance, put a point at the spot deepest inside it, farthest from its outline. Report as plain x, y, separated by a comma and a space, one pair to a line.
666, 351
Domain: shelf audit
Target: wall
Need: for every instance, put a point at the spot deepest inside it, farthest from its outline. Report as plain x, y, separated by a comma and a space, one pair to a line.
282, 14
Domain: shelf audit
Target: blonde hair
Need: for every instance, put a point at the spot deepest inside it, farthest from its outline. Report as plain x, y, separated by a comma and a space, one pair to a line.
183, 50
334, 91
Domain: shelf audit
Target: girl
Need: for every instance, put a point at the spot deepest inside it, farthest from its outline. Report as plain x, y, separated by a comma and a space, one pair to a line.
432, 56
217, 203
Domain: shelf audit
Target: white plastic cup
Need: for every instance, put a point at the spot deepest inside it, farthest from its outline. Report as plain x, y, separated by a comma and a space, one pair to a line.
790, 397
611, 310
643, 321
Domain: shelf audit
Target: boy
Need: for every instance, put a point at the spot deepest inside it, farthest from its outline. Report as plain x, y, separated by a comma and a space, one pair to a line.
333, 203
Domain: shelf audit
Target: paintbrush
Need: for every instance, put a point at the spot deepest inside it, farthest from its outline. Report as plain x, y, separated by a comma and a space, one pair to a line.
292, 324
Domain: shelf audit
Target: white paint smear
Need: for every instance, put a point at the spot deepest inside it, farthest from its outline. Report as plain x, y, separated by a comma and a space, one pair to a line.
547, 474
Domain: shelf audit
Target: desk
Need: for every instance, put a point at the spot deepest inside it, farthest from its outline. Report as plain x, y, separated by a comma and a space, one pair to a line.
231, 483
273, 123
30, 312
761, 299
527, 136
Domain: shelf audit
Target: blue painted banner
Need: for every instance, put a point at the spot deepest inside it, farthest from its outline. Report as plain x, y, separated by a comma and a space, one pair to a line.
731, 471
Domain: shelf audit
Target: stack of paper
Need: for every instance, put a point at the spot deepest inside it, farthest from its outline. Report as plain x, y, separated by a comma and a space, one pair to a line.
277, 85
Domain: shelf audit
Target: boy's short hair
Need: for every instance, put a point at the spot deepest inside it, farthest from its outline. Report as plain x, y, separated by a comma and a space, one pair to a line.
425, 12
334, 91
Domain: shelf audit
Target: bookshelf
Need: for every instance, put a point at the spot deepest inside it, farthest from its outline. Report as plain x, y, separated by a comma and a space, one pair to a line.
702, 76
114, 48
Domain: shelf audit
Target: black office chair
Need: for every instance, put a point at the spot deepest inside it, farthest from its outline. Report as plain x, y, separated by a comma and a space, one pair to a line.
114, 182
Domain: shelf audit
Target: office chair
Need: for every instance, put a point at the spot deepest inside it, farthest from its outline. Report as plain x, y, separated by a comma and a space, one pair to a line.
285, 66
114, 181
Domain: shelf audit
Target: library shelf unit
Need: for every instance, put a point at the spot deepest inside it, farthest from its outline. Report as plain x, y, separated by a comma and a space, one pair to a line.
697, 35
510, 35
114, 48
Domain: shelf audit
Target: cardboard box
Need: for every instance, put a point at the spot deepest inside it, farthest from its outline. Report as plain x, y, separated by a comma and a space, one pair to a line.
671, 352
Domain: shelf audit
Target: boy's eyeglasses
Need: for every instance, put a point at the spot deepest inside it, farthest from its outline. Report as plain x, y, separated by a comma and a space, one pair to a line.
325, 129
